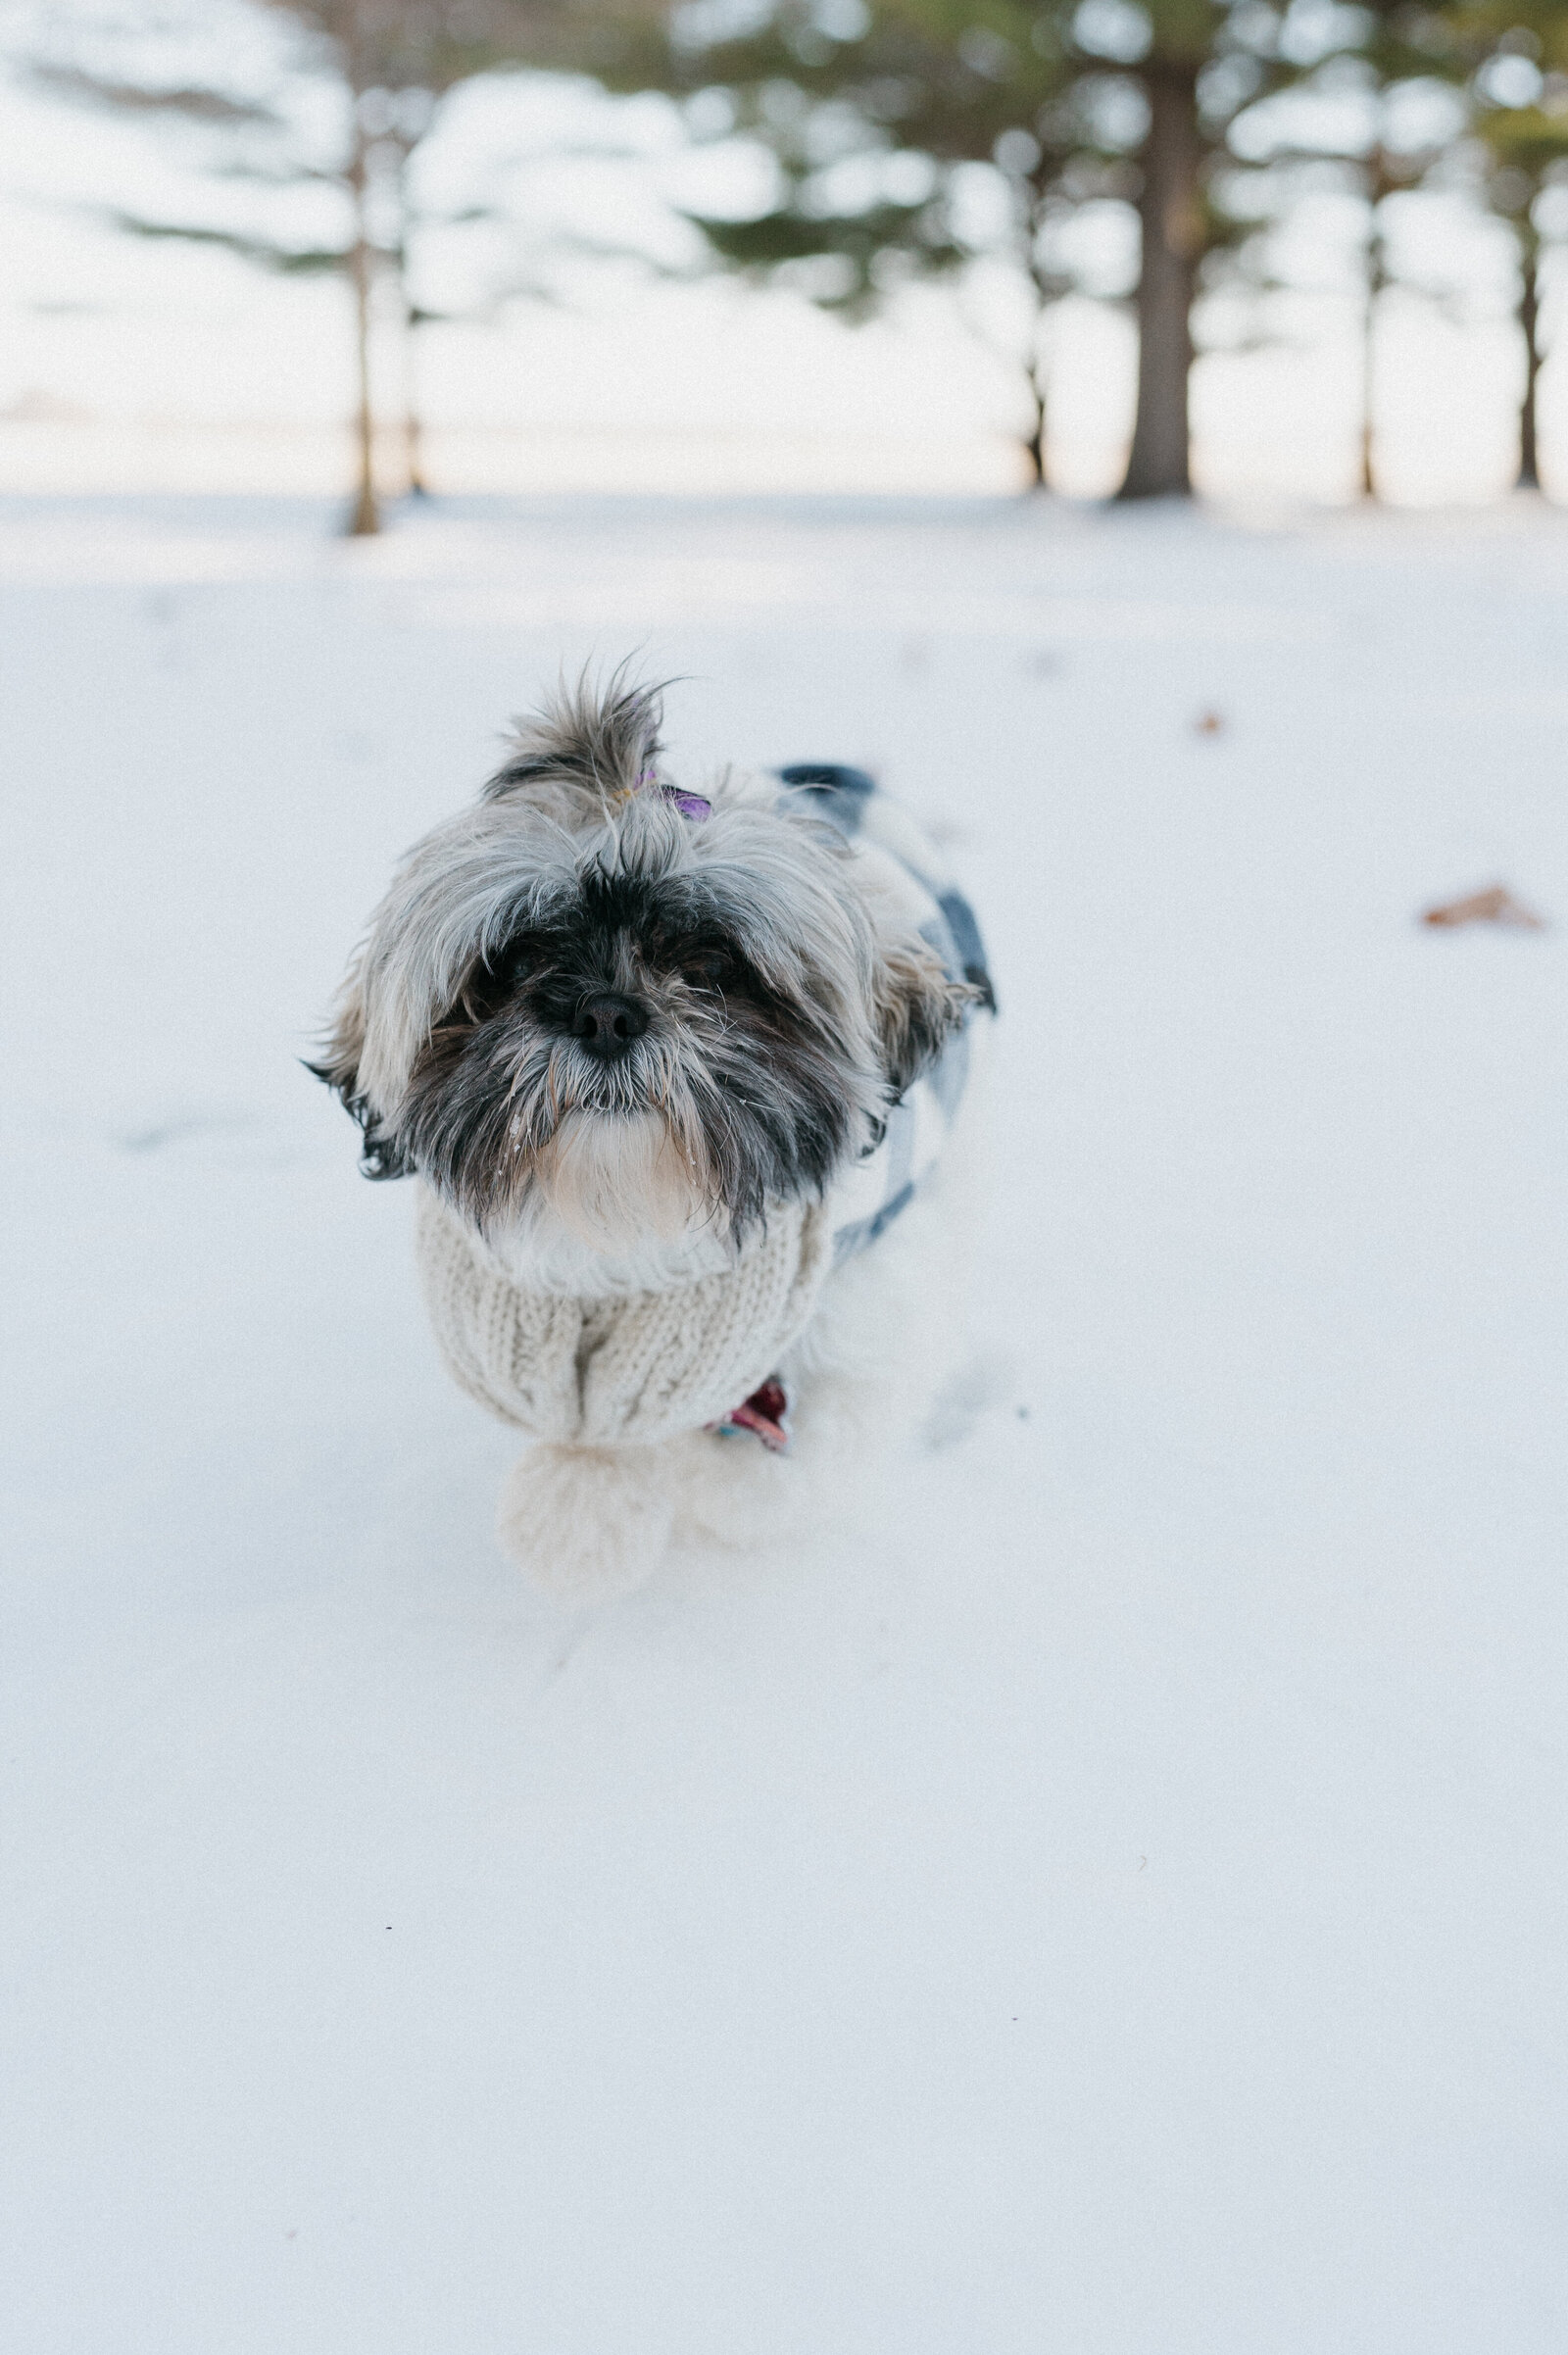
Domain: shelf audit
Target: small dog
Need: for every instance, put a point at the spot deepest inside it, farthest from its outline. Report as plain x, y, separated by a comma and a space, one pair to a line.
672, 1070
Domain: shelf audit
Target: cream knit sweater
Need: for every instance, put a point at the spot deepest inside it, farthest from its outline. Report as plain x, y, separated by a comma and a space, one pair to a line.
632, 1369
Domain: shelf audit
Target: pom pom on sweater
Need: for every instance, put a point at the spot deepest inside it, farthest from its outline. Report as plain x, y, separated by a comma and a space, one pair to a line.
587, 1524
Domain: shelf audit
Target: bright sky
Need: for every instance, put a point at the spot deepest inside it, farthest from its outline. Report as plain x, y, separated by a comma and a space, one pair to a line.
129, 365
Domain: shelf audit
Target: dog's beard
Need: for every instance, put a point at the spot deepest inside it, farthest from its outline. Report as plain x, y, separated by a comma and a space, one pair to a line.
616, 1180
697, 1128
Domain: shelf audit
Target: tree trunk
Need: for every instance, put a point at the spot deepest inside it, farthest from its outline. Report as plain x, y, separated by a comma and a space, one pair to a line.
1529, 327
365, 515
1369, 480
413, 423
1376, 280
412, 426
1035, 440
1171, 213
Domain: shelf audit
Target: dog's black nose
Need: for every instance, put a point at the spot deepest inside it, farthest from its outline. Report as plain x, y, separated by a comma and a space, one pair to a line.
606, 1023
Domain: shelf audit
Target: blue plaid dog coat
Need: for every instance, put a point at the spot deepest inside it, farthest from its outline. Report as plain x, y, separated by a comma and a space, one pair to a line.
869, 1196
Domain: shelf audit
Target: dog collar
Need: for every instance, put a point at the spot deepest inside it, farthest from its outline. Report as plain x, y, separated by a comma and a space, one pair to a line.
766, 1414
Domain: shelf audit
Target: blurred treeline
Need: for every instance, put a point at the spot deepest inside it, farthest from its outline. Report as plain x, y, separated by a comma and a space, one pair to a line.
1147, 152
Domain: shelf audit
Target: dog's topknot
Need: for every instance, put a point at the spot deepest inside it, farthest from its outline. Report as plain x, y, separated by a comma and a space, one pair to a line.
605, 738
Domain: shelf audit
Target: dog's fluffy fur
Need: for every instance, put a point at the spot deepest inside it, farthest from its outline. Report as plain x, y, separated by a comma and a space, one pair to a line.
784, 998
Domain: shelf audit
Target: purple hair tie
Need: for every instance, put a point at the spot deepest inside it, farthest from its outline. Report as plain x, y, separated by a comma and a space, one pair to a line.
694, 806
690, 804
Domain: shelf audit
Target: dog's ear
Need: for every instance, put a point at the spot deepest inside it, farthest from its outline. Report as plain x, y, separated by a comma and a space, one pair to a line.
342, 1051
918, 1006
603, 740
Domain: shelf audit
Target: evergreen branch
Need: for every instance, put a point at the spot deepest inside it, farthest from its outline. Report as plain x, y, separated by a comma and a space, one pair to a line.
196, 105
287, 260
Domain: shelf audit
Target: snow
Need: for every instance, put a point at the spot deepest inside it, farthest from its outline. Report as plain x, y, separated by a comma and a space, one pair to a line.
1110, 1896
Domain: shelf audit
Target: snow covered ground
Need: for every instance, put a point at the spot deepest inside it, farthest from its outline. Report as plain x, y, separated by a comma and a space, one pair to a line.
1112, 1898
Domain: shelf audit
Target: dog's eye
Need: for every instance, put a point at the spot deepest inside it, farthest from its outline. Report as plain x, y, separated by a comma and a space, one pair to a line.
709, 968
492, 982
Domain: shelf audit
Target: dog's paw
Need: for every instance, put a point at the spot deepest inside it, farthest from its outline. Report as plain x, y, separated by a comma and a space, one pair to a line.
737, 1492
587, 1524
732, 1489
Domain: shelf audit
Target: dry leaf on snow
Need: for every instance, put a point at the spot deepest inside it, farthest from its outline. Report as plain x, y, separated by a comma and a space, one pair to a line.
1495, 905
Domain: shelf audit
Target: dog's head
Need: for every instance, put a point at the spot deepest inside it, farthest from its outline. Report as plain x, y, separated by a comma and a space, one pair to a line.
649, 1008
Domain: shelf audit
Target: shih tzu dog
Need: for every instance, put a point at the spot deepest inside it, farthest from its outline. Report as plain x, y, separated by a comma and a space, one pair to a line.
674, 1072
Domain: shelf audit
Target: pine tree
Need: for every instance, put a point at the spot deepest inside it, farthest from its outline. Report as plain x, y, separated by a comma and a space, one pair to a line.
1518, 54
1129, 97
1486, 52
1526, 151
1401, 46
393, 62
1371, 59
397, 61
